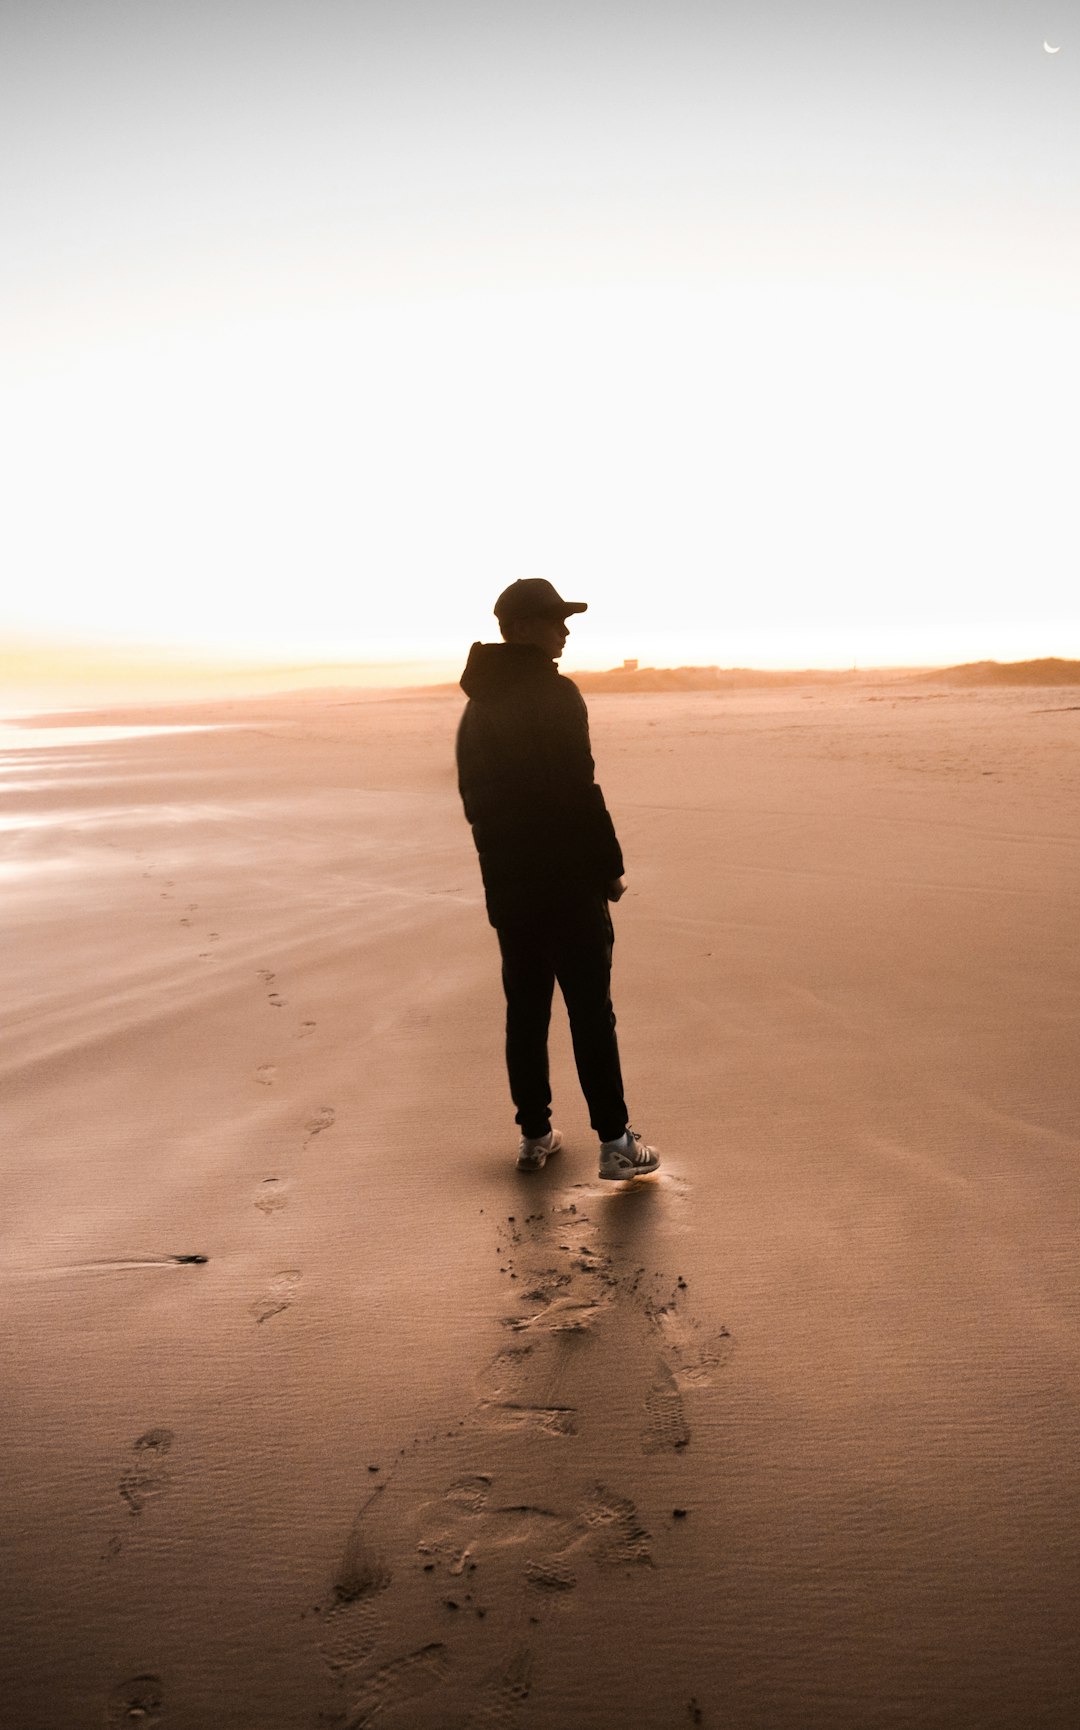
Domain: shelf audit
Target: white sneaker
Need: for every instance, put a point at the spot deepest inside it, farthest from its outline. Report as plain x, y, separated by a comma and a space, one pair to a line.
627, 1157
535, 1149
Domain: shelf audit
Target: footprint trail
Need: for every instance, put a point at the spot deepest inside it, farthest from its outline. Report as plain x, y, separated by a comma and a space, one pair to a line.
455, 1635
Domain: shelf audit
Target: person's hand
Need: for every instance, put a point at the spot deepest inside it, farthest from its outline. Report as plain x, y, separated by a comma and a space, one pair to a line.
616, 889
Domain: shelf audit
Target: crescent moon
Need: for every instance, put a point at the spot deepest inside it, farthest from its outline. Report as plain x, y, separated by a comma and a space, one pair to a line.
1050, 50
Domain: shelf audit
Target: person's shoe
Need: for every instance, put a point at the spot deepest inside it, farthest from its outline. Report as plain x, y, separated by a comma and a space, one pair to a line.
535, 1149
627, 1157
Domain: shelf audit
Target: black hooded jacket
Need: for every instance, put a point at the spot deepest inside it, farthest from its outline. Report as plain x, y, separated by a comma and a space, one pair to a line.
525, 771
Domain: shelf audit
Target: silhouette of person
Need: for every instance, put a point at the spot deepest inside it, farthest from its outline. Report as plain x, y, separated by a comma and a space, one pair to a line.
550, 863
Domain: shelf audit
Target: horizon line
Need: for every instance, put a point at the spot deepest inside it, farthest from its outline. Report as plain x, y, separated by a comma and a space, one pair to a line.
112, 660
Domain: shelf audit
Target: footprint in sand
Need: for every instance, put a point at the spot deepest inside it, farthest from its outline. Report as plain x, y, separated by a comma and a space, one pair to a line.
272, 1197
266, 1074
692, 1355
350, 1635
467, 1530
557, 1306
550, 1574
509, 1685
185, 921
147, 1478
266, 976
549, 1420
138, 1701
351, 1627
666, 1427
279, 1294
415, 1683
517, 1544
566, 1284
306, 1027
398, 1683
615, 1534
565, 1280
324, 1118
362, 1572
278, 1002
518, 1391
492, 1703
689, 1360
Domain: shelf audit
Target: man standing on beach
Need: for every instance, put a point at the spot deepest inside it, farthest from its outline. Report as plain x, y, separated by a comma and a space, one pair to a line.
550, 863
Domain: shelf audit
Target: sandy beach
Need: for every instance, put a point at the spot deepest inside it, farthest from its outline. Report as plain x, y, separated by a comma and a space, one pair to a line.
317, 1414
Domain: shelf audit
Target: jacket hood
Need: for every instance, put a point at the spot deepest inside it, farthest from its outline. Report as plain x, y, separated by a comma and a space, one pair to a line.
498, 670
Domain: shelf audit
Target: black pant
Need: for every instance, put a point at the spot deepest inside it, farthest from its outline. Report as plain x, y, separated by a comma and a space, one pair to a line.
572, 943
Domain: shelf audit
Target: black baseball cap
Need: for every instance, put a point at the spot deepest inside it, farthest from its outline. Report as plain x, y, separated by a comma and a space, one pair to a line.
535, 598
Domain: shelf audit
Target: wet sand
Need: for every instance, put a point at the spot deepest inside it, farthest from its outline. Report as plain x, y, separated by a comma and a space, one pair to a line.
785, 1438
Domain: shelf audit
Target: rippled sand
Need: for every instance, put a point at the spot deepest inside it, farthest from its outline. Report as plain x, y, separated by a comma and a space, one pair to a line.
318, 1414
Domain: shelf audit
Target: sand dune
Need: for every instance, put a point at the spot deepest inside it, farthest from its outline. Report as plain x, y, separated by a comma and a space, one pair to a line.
317, 1413
1049, 671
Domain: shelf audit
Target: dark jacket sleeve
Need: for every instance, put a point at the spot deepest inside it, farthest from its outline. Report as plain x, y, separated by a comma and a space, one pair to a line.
584, 804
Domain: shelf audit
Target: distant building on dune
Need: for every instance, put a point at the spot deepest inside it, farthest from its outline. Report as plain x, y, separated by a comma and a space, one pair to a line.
629, 666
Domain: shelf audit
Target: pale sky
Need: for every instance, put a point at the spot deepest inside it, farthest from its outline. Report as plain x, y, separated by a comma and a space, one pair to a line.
755, 325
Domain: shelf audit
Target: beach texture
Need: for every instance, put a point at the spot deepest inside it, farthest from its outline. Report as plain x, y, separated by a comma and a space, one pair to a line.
317, 1415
